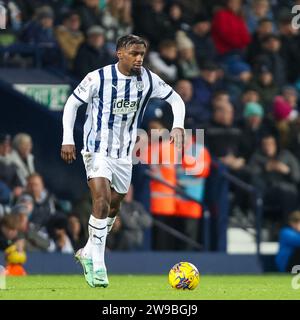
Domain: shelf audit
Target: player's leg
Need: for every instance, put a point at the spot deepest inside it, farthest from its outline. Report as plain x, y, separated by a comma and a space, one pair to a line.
121, 179
116, 199
92, 250
101, 198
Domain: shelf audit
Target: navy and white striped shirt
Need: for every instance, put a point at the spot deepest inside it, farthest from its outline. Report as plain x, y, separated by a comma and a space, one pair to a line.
116, 104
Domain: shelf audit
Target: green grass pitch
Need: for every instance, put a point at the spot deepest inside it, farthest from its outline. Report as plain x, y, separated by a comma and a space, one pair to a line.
127, 287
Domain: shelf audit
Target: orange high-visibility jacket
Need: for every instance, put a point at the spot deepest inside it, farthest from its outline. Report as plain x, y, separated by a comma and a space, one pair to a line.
164, 200
191, 178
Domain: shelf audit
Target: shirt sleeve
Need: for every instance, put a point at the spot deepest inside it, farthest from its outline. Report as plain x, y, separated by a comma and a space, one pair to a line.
178, 108
69, 117
160, 89
86, 88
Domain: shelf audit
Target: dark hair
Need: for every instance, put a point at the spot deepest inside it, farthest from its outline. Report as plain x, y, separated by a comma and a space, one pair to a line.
266, 134
68, 14
219, 93
167, 43
263, 20
268, 37
129, 40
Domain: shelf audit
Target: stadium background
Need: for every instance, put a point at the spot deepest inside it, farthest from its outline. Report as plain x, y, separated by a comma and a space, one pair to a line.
241, 81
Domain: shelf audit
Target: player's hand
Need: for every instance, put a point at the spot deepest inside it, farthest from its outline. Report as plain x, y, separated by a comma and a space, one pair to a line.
177, 136
68, 153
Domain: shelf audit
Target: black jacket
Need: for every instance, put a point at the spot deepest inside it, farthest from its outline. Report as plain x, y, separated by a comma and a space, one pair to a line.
89, 58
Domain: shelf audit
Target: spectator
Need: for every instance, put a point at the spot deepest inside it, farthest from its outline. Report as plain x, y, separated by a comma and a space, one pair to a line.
129, 231
154, 24
201, 36
75, 232
8, 232
206, 84
176, 16
14, 15
69, 36
12, 245
187, 64
290, 94
254, 127
265, 86
191, 178
285, 112
162, 197
195, 113
35, 239
40, 31
249, 94
288, 255
239, 75
276, 173
92, 54
44, 202
83, 208
8, 170
271, 58
191, 8
260, 9
223, 139
116, 20
219, 98
58, 232
90, 14
26, 202
264, 28
22, 157
164, 62
290, 47
229, 29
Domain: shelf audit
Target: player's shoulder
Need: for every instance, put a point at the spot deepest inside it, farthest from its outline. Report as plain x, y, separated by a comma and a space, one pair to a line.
95, 73
155, 78
146, 72
94, 77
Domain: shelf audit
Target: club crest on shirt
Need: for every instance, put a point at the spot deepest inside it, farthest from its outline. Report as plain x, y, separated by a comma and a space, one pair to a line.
140, 85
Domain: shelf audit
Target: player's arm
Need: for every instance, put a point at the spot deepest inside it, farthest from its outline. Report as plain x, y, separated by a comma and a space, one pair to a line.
68, 151
178, 108
80, 95
165, 92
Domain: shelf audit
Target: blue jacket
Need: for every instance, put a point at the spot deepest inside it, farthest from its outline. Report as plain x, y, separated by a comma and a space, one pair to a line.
289, 240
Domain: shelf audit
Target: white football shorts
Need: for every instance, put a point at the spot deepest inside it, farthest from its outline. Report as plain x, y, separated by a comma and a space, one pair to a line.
117, 171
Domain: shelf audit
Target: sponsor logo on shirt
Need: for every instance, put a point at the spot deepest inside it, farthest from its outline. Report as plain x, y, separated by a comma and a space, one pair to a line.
125, 106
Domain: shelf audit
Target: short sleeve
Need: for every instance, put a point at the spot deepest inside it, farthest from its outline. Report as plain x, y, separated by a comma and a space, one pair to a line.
160, 89
86, 88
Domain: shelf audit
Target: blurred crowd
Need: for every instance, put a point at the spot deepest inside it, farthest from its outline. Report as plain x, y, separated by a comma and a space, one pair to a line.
235, 63
33, 219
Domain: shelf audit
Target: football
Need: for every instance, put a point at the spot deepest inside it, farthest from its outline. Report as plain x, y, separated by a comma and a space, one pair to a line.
184, 275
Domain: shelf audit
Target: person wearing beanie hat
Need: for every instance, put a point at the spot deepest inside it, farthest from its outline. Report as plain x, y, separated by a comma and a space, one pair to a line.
183, 41
237, 68
40, 31
254, 127
188, 67
239, 75
253, 109
281, 109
